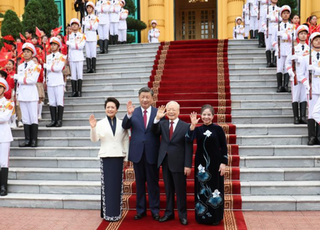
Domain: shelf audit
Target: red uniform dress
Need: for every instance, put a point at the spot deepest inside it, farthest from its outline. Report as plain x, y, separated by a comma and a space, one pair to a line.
64, 49
10, 82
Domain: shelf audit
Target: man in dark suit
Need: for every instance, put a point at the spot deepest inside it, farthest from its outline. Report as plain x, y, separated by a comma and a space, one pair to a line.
175, 156
143, 152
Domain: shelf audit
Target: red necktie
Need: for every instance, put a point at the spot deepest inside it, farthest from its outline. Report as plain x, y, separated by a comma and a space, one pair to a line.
171, 129
145, 118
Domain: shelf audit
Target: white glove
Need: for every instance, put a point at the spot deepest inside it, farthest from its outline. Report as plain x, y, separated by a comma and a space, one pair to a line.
284, 36
68, 43
294, 58
307, 89
291, 74
45, 65
15, 76
268, 16
311, 68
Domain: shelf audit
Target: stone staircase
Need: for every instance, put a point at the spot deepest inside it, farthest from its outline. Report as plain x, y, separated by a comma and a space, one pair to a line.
64, 171
278, 170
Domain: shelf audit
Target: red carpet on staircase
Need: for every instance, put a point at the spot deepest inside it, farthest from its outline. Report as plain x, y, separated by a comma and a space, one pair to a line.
193, 73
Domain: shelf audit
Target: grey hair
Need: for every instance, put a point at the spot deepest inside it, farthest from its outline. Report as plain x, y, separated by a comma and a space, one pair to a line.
146, 90
173, 102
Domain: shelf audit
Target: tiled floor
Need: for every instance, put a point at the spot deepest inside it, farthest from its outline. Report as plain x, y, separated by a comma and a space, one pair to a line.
53, 219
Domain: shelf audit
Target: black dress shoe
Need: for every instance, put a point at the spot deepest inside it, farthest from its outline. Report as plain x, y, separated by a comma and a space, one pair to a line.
216, 223
140, 216
156, 217
166, 218
184, 221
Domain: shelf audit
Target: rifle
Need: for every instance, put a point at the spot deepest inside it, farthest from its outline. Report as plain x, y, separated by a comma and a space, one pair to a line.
244, 14
279, 51
259, 10
235, 32
268, 19
294, 63
310, 72
249, 11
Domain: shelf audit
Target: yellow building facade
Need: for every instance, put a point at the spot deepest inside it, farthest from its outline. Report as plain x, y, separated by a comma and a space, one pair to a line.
180, 19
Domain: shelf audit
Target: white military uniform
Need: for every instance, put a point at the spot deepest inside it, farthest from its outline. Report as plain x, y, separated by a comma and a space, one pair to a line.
316, 112
253, 14
238, 32
77, 42
245, 12
123, 25
114, 17
315, 82
103, 9
153, 35
91, 24
273, 27
298, 91
55, 82
6, 111
285, 33
28, 74
263, 13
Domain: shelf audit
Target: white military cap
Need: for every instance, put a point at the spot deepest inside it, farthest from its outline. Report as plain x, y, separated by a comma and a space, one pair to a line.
56, 41
30, 47
313, 36
4, 84
154, 21
237, 18
74, 20
90, 4
285, 7
302, 28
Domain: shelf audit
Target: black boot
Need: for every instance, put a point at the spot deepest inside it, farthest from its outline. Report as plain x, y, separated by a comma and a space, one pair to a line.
74, 89
279, 82
27, 142
245, 37
4, 181
318, 133
106, 45
263, 41
34, 135
116, 39
60, 116
89, 65
274, 59
311, 132
303, 111
101, 45
111, 39
79, 88
94, 62
53, 113
268, 55
260, 37
295, 113
256, 34
286, 82
251, 34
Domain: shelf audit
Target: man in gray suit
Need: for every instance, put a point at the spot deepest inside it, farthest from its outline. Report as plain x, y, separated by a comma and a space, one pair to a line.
175, 156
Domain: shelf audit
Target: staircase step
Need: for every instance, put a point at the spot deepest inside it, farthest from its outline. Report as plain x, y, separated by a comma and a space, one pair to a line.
272, 140
270, 129
55, 152
281, 203
279, 150
258, 119
279, 174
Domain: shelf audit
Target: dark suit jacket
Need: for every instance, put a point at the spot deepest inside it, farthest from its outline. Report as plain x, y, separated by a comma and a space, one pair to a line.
142, 139
178, 149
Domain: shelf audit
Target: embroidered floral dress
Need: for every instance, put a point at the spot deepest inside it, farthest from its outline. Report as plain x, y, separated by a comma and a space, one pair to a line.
209, 185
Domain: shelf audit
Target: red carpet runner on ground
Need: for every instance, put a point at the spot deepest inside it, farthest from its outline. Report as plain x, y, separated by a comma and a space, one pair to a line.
193, 73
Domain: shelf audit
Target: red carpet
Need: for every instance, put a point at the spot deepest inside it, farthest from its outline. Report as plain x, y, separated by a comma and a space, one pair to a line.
193, 73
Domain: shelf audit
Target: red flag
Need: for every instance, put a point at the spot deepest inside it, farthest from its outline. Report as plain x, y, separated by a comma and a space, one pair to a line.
19, 48
22, 37
38, 32
4, 58
8, 47
8, 38
56, 31
3, 50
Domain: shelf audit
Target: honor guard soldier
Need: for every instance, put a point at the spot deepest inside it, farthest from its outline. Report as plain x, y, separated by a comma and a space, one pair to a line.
55, 82
102, 9
272, 20
27, 77
253, 14
297, 59
262, 13
238, 30
154, 33
246, 21
314, 68
76, 45
284, 48
114, 21
6, 111
91, 23
123, 23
